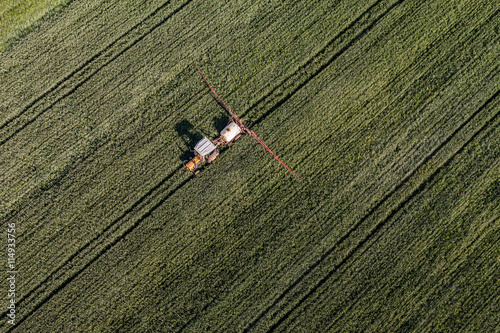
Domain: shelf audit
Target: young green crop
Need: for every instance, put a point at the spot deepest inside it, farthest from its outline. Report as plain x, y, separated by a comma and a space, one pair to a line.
19, 17
388, 110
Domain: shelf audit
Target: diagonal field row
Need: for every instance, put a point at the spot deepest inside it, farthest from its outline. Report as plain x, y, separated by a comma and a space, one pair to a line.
80, 19
373, 104
425, 289
476, 118
68, 84
94, 72
71, 260
378, 226
55, 182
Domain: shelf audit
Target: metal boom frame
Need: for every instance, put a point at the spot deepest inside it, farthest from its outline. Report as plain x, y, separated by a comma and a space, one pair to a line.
243, 126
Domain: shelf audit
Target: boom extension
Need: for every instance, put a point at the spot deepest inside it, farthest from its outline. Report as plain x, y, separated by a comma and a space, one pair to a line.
243, 126
270, 152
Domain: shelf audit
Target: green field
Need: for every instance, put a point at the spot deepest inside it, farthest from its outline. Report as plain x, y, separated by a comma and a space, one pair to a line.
18, 18
388, 111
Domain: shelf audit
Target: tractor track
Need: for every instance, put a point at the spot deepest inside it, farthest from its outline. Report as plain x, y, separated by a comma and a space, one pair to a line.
109, 229
82, 69
136, 204
108, 246
400, 98
432, 67
156, 187
321, 60
72, 73
356, 30
378, 226
372, 232
456, 264
82, 66
360, 20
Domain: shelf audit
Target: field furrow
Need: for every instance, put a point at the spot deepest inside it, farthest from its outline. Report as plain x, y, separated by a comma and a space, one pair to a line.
426, 285
79, 20
373, 232
388, 110
80, 75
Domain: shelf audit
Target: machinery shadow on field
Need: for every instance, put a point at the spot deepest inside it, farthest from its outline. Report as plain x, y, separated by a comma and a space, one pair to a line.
185, 131
220, 122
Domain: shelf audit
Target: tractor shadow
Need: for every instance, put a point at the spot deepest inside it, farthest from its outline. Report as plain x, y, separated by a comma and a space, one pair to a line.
185, 131
220, 122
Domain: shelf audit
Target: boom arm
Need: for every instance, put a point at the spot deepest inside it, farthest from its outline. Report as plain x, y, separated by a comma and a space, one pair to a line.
243, 126
220, 99
269, 150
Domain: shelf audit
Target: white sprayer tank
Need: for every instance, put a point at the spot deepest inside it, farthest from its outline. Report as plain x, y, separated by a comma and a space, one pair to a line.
230, 132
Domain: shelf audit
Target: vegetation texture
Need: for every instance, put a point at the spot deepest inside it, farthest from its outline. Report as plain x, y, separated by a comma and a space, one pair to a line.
388, 110
18, 18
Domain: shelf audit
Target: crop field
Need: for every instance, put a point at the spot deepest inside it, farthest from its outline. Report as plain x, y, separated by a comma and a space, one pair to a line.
387, 109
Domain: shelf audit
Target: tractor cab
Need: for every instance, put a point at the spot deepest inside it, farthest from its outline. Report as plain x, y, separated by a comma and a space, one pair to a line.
206, 152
